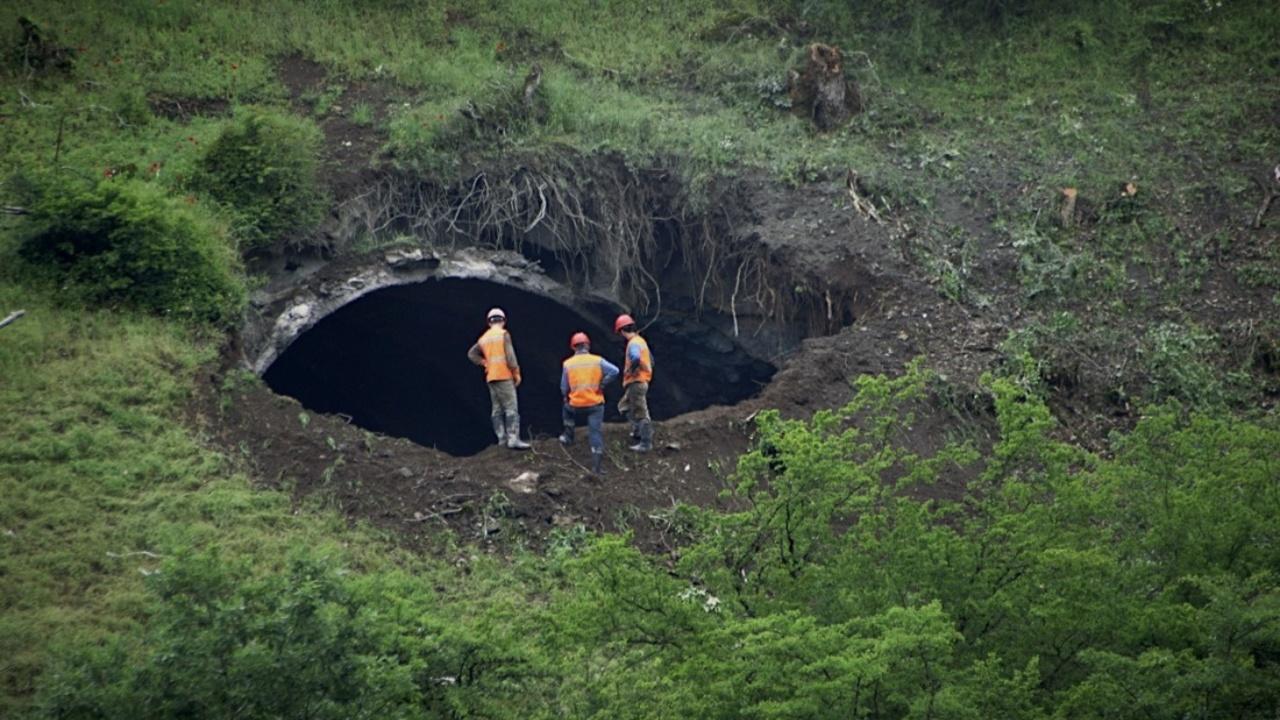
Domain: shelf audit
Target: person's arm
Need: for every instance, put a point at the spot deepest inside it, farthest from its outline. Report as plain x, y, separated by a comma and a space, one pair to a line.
636, 359
564, 383
475, 355
610, 372
511, 358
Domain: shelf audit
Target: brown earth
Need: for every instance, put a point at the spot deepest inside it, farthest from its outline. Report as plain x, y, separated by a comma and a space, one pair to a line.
351, 149
413, 491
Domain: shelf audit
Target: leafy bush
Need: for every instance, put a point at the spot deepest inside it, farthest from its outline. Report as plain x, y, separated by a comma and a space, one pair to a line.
310, 642
264, 167
1058, 585
124, 241
1179, 363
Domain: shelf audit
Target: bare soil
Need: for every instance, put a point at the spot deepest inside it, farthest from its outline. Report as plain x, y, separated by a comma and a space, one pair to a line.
500, 495
350, 149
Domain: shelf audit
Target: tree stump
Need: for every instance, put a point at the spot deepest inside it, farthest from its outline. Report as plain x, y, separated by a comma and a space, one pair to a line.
821, 91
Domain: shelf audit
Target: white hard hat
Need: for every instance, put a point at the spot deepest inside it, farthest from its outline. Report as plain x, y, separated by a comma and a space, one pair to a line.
496, 313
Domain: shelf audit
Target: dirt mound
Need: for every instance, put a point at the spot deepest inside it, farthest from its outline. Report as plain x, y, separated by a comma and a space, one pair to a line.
501, 495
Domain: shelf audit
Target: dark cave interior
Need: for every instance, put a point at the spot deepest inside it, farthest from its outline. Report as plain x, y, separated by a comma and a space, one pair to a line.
395, 362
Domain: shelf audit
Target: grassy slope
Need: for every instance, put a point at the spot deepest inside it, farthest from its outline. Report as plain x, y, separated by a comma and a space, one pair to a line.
96, 465
94, 456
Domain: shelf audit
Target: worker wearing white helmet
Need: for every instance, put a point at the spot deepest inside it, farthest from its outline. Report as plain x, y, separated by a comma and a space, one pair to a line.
496, 354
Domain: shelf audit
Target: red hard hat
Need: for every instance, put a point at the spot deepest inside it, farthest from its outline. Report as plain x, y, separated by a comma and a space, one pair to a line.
622, 321
579, 338
495, 313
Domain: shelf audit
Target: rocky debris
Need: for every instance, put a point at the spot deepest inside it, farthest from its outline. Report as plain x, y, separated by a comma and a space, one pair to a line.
409, 258
525, 483
565, 519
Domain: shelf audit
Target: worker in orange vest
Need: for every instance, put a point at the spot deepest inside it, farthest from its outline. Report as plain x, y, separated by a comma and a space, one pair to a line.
637, 371
495, 353
581, 381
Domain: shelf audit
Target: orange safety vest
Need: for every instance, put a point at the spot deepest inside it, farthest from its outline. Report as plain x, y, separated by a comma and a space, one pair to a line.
646, 357
493, 343
585, 374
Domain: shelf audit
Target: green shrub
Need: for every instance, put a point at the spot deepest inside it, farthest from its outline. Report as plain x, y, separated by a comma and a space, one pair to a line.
313, 641
263, 166
1061, 585
122, 241
1179, 363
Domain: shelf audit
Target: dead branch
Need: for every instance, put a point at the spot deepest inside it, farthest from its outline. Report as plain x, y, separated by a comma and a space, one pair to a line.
144, 553
1268, 195
28, 102
13, 210
569, 457
12, 317
423, 517
531, 83
865, 207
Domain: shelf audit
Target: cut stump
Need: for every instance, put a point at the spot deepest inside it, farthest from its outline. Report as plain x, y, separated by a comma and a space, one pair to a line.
821, 91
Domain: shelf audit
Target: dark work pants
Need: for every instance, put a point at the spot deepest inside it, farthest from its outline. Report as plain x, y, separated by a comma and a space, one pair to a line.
595, 422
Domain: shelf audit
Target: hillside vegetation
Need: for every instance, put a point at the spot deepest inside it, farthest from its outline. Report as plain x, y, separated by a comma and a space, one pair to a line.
155, 152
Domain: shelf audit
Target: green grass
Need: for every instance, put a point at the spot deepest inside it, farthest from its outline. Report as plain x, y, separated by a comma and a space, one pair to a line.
694, 82
98, 464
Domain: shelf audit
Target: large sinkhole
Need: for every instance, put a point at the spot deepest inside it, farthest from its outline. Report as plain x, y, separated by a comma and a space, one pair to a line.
395, 361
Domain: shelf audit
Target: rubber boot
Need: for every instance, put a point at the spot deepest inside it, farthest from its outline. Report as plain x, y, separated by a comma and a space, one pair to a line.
513, 433
499, 428
646, 437
566, 437
597, 462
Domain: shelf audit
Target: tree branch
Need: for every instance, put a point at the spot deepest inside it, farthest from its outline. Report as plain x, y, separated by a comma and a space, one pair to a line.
12, 317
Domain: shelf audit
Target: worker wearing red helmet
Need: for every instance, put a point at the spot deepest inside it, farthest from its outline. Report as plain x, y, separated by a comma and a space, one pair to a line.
581, 382
495, 353
637, 371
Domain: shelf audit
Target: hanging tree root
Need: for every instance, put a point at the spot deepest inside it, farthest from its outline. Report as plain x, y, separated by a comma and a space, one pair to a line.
612, 228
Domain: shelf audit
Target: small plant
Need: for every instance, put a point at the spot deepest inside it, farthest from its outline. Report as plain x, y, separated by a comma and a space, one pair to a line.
1177, 358
324, 100
234, 383
362, 114
263, 167
567, 542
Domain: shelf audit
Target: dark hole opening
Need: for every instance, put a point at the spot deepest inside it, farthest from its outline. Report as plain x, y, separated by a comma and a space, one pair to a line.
395, 361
